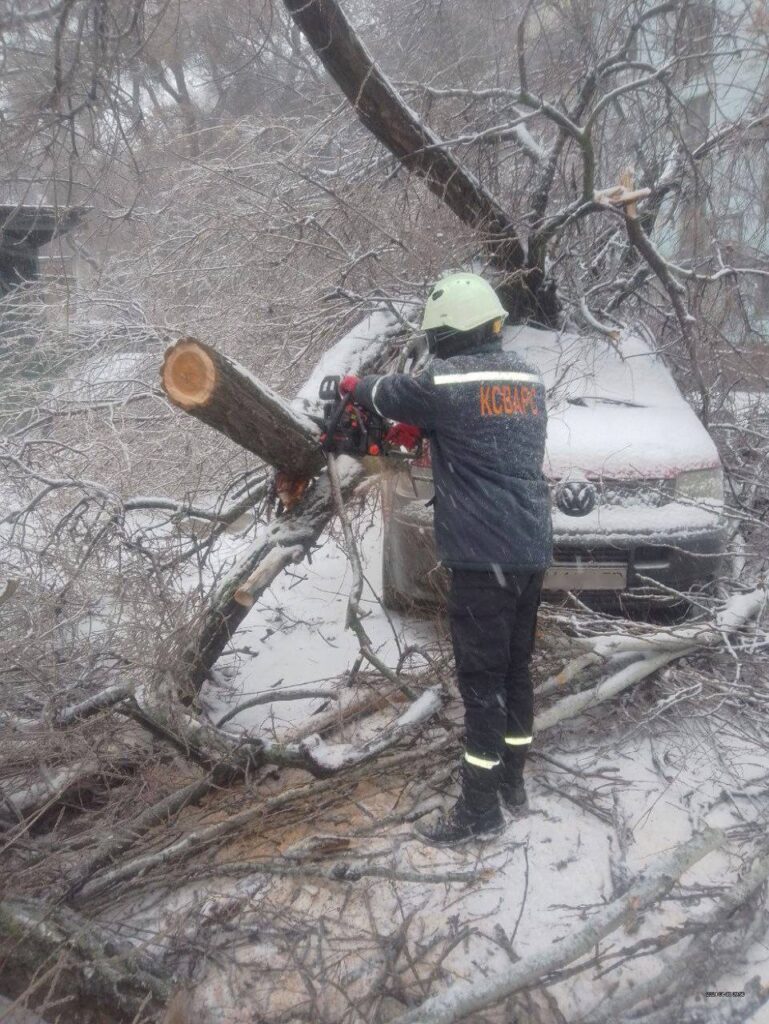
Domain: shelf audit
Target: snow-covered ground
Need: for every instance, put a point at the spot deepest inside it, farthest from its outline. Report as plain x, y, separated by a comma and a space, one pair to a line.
294, 637
633, 790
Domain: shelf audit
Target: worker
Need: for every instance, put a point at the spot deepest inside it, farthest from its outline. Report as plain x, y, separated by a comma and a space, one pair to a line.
483, 410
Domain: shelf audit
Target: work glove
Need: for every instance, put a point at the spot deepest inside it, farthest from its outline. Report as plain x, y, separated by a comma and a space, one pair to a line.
403, 435
348, 384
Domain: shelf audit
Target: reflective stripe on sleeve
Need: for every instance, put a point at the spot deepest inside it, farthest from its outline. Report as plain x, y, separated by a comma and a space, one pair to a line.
518, 741
480, 762
464, 378
374, 390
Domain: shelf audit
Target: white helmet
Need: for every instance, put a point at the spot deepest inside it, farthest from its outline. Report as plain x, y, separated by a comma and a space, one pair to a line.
461, 302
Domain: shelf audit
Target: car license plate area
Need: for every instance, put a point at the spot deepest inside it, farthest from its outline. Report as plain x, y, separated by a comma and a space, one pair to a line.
586, 577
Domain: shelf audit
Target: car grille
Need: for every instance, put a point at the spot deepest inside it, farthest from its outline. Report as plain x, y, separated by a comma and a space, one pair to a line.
584, 556
650, 492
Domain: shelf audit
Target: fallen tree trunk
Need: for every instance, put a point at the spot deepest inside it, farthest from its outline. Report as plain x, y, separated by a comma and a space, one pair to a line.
649, 651
224, 395
287, 439
463, 998
576, 703
389, 118
735, 613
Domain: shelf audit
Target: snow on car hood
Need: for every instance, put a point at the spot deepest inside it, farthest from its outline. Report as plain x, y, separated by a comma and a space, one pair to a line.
612, 412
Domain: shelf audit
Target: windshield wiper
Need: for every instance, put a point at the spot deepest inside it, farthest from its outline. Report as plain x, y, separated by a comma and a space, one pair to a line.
587, 400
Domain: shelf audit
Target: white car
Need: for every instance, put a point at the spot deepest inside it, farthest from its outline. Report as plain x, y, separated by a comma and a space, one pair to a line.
636, 480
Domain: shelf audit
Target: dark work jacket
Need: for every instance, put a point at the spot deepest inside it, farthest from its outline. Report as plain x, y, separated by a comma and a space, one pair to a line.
485, 417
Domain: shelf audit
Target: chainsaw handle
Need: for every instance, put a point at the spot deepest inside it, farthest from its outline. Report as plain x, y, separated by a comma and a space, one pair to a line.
329, 389
333, 423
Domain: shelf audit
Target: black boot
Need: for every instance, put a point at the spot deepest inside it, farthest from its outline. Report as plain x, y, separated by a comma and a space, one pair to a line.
512, 792
475, 815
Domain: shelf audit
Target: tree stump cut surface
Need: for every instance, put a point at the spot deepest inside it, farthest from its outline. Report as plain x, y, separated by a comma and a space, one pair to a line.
226, 396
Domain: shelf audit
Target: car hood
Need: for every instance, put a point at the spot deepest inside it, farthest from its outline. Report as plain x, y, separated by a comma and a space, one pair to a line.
614, 411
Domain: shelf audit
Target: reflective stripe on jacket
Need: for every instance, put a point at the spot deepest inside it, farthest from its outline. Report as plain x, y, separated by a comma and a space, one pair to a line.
484, 414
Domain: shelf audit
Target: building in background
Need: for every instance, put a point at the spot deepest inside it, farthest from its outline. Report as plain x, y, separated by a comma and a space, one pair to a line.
25, 232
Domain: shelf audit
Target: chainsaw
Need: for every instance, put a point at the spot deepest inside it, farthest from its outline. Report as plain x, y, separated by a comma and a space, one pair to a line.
349, 429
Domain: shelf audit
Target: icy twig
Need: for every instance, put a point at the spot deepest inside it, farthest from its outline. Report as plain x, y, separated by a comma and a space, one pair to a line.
92, 705
585, 801
374, 699
343, 871
272, 696
353, 620
333, 757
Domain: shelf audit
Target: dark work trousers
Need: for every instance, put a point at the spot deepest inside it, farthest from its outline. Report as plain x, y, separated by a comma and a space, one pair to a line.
493, 617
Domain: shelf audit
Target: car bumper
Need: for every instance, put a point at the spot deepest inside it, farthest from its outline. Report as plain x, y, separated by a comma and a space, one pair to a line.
639, 550
644, 553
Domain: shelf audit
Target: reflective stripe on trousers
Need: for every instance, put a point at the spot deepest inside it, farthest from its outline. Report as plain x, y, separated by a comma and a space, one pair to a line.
480, 762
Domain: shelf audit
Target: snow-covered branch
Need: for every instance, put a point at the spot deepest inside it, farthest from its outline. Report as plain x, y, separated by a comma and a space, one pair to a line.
650, 650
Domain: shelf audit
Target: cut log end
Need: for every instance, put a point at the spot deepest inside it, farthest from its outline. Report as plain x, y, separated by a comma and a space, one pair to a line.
188, 374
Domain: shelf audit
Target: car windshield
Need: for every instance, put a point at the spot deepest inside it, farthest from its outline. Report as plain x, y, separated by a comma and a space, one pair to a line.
586, 371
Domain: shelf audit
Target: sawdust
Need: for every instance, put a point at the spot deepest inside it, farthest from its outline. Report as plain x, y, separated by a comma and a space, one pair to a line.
356, 806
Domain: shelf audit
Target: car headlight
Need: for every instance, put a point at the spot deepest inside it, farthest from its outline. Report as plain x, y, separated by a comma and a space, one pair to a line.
701, 485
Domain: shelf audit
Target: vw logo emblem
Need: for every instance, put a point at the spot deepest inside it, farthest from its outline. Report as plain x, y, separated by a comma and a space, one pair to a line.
575, 497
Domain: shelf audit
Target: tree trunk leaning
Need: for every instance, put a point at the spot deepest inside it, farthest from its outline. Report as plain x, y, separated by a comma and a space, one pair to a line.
391, 120
224, 395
